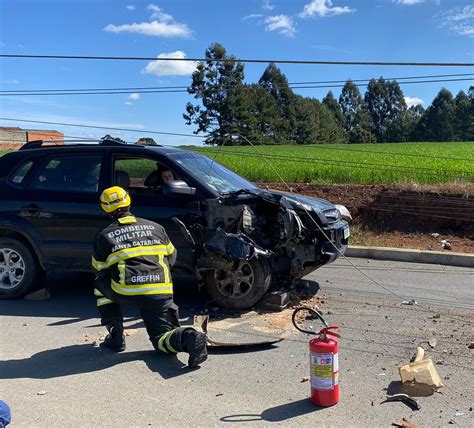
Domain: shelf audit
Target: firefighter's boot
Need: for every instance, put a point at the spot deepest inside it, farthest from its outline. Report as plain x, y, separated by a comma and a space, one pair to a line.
115, 340
195, 344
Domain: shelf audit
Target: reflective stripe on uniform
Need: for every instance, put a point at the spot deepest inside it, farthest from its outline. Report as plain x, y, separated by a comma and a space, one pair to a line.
135, 290
98, 265
163, 342
167, 342
164, 267
127, 220
128, 253
97, 293
121, 269
103, 301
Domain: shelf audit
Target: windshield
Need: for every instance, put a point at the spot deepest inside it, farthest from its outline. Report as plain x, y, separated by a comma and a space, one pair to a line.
211, 173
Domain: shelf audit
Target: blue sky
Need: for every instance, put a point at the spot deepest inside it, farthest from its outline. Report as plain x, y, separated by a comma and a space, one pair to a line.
362, 30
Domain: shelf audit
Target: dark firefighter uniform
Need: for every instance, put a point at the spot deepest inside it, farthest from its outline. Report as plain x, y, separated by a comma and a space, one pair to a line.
132, 258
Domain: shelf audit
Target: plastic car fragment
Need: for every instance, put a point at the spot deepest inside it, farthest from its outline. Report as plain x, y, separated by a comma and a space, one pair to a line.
201, 323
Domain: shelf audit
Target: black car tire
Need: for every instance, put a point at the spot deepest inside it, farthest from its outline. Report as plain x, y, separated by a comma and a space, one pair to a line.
257, 277
31, 269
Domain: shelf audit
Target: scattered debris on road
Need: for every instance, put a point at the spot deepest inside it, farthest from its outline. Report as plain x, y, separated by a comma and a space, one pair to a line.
421, 371
445, 245
41, 393
404, 423
410, 302
433, 343
201, 323
471, 345
405, 398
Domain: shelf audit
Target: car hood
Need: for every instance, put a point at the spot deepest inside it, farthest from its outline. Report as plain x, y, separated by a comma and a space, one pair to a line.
301, 203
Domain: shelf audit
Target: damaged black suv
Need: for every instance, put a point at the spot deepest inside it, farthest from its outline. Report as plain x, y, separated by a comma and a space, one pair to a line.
241, 241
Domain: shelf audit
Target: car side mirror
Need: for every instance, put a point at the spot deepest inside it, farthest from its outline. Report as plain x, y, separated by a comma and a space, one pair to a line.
177, 187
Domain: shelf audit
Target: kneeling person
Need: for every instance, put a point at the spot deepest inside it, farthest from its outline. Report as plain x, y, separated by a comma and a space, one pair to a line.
132, 259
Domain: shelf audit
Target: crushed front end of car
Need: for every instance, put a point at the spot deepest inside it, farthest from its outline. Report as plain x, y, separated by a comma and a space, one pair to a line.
249, 242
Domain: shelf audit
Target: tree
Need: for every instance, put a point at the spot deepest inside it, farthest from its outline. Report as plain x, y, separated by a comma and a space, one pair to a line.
256, 116
213, 84
147, 141
276, 84
315, 124
356, 120
110, 138
333, 106
385, 103
403, 128
437, 123
464, 122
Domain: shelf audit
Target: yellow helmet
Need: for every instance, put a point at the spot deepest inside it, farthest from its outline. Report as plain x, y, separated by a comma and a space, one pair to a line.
114, 198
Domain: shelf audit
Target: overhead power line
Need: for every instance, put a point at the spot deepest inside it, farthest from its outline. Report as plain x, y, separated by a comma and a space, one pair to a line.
162, 91
143, 131
321, 82
244, 60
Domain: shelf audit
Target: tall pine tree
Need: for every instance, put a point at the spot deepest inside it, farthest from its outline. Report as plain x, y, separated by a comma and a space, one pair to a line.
356, 119
464, 122
276, 84
213, 84
385, 103
437, 123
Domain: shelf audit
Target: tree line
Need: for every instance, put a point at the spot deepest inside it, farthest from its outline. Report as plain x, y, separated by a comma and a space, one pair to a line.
230, 111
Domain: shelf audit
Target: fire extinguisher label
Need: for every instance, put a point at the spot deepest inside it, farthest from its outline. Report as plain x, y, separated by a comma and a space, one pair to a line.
322, 369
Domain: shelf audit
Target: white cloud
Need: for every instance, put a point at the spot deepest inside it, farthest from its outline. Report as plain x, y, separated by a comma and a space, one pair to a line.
267, 5
252, 16
170, 68
134, 96
159, 14
413, 101
460, 14
163, 25
128, 103
323, 8
281, 23
408, 2
10, 82
154, 28
131, 7
459, 20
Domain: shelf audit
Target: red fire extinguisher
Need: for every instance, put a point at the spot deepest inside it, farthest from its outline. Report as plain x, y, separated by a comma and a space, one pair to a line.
324, 361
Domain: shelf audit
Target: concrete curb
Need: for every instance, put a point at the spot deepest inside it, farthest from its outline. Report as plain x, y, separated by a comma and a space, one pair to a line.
413, 256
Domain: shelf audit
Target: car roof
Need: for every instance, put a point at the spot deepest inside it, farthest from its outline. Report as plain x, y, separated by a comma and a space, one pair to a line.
63, 148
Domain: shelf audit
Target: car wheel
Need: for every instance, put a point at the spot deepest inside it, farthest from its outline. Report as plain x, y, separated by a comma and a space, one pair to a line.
18, 269
240, 288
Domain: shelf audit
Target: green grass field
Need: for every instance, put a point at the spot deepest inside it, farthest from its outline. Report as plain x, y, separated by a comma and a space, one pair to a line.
426, 163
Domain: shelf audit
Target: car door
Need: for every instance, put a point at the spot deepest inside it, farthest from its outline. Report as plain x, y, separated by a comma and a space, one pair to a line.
141, 177
61, 205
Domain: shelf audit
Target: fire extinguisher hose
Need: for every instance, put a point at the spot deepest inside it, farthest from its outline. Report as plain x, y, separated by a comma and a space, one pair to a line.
313, 312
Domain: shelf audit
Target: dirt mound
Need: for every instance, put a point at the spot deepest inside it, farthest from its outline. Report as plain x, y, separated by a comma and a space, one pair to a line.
402, 216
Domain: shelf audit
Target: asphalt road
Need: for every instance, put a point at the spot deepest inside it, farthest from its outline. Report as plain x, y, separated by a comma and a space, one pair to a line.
53, 374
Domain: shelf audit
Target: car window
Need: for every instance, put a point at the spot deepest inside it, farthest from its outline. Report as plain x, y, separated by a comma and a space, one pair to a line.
211, 173
76, 173
20, 173
141, 173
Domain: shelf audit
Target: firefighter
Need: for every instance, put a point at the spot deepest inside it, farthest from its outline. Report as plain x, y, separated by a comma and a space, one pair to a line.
132, 258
